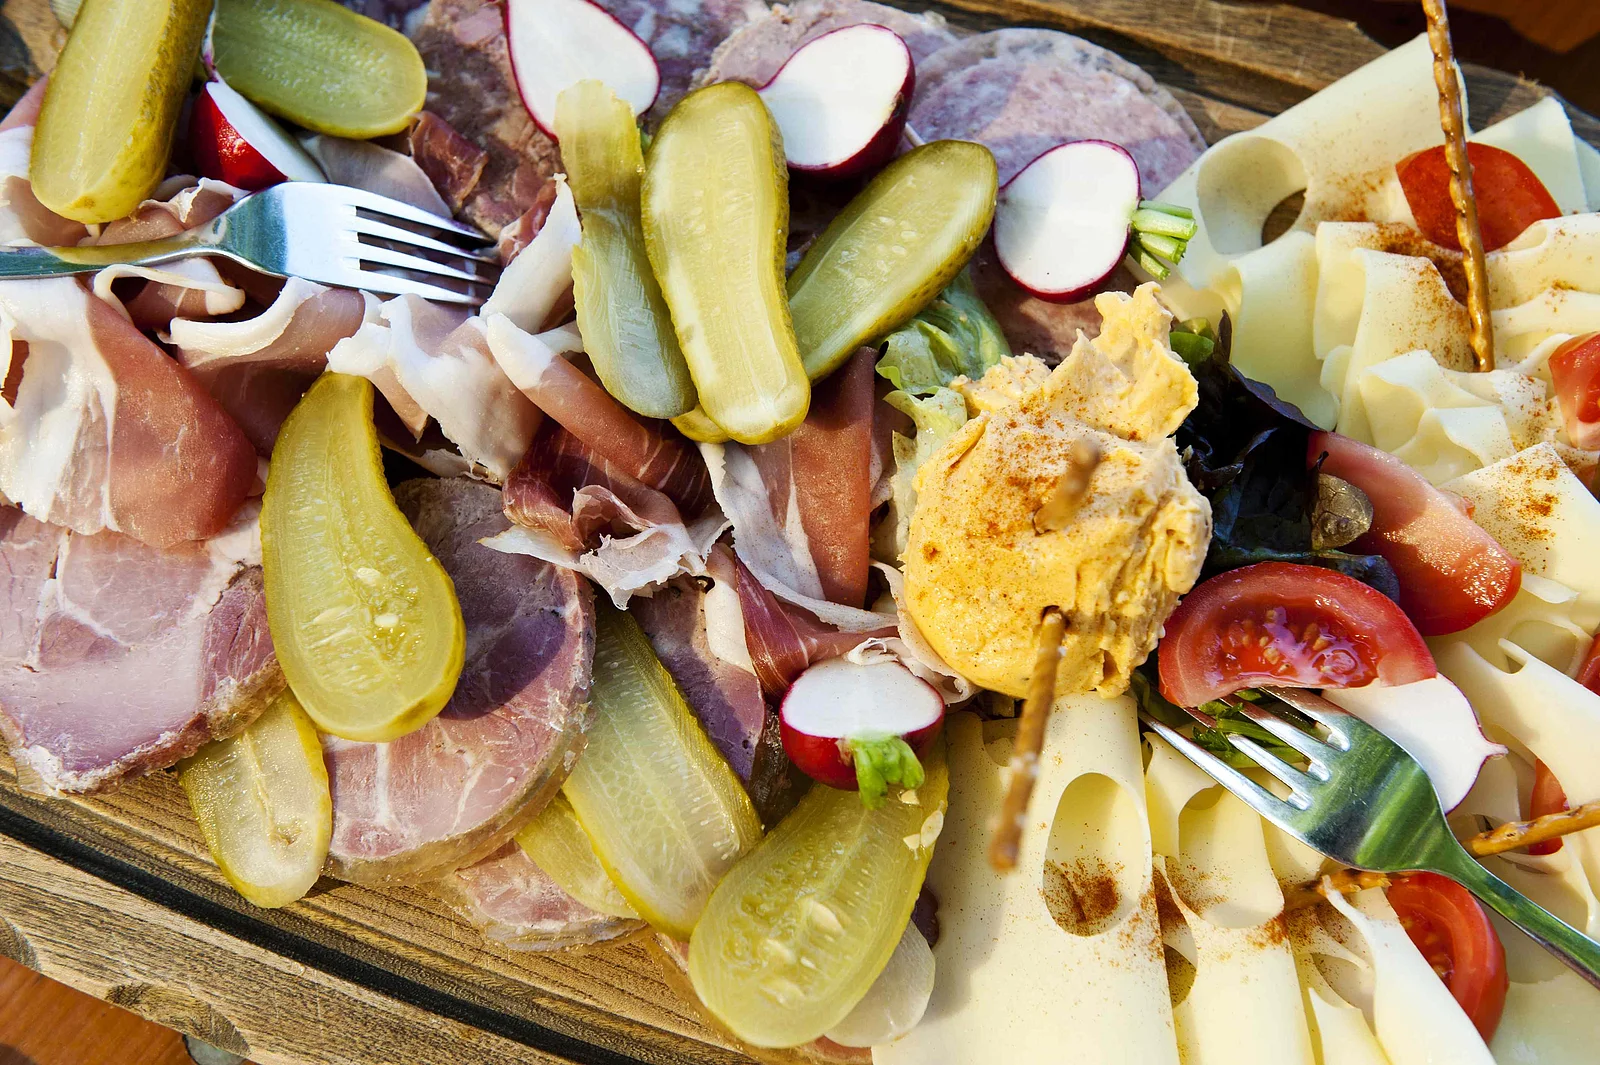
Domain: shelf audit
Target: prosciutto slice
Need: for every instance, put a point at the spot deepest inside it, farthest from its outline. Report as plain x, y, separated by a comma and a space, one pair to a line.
451, 162
189, 287
513, 903
117, 658
455, 790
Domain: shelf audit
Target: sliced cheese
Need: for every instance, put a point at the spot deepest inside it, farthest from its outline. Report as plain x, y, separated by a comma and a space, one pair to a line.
1014, 985
1589, 167
1558, 253
1421, 413
1541, 136
1539, 620
1339, 1030
1520, 329
1554, 1022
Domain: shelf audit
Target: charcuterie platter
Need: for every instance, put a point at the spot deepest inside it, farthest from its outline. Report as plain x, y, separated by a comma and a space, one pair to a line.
496, 867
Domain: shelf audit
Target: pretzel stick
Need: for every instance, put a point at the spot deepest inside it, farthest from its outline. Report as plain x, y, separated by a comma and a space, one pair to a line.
1030, 742
1344, 881
1083, 458
1468, 234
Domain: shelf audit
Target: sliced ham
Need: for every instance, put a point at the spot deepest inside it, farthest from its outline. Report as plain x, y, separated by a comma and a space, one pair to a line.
647, 451
516, 236
177, 638
453, 163
369, 166
513, 903
193, 287
452, 792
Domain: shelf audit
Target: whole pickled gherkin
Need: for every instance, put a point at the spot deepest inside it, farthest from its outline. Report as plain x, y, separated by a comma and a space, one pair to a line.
627, 330
891, 250
716, 216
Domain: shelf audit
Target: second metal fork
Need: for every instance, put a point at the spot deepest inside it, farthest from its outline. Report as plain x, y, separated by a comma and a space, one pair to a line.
333, 234
1363, 801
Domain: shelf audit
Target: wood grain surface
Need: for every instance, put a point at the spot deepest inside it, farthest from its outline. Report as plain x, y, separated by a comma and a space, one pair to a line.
117, 896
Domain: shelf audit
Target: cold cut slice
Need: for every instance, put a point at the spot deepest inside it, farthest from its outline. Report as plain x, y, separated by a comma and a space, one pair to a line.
753, 53
456, 789
513, 903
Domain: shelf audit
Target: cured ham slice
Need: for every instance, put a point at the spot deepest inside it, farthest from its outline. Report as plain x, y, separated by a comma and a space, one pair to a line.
364, 165
117, 658
453, 163
189, 287
453, 791
513, 903
572, 508
645, 451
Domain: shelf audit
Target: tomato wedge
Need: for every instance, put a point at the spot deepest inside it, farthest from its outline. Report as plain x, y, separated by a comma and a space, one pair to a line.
1287, 624
1548, 798
1455, 936
1575, 370
1510, 196
1452, 574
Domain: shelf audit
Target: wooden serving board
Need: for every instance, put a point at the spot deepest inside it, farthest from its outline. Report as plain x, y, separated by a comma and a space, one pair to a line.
117, 896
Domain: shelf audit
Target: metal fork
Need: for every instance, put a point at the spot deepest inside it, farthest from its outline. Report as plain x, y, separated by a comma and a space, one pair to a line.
1364, 801
329, 233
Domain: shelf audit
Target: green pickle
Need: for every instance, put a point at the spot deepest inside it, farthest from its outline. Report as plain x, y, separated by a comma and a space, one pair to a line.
111, 109
364, 619
697, 425
891, 250
320, 65
797, 932
665, 814
627, 330
716, 216
561, 849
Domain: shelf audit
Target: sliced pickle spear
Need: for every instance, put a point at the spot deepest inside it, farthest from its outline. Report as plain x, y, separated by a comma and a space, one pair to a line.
364, 619
558, 845
797, 932
716, 215
320, 65
666, 815
891, 250
261, 799
111, 107
627, 330
697, 425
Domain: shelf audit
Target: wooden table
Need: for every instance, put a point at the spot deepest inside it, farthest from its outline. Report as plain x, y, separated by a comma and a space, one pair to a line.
116, 895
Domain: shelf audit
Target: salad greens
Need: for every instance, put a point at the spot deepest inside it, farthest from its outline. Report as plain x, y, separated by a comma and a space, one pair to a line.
955, 335
1230, 720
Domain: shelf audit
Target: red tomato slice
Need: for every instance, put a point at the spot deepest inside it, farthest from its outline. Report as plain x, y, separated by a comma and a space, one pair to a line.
1452, 573
1548, 798
1510, 196
1454, 934
1575, 369
1287, 624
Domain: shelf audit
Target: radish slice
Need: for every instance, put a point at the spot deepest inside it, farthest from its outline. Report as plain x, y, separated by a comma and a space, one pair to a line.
556, 43
841, 100
1435, 724
854, 725
235, 141
1061, 224
896, 1000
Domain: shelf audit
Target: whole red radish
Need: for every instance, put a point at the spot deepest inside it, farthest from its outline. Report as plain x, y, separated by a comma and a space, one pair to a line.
860, 725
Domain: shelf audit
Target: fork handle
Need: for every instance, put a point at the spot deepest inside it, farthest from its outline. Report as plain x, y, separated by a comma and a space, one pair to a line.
1581, 953
33, 262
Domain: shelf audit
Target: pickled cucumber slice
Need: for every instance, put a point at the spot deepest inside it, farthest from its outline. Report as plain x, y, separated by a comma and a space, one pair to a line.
797, 932
666, 815
697, 425
261, 799
627, 330
319, 65
364, 620
716, 215
111, 108
558, 845
891, 250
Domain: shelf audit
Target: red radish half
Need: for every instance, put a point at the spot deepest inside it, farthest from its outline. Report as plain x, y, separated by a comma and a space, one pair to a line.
1061, 225
234, 141
841, 100
859, 725
555, 44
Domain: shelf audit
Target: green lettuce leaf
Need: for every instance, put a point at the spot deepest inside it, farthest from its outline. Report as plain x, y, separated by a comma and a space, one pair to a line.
955, 335
937, 416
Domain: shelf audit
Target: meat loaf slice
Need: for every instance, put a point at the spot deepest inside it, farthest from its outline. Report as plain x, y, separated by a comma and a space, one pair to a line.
1022, 91
453, 791
754, 53
118, 658
512, 902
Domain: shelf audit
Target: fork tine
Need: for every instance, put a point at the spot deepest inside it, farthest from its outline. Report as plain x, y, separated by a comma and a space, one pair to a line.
1334, 718
390, 284
371, 228
1305, 743
369, 253
1252, 794
370, 201
1285, 772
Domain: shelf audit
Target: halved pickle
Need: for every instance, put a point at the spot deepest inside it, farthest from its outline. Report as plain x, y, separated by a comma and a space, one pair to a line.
796, 933
891, 250
627, 330
364, 619
320, 65
558, 845
111, 108
261, 800
697, 425
716, 215
666, 815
